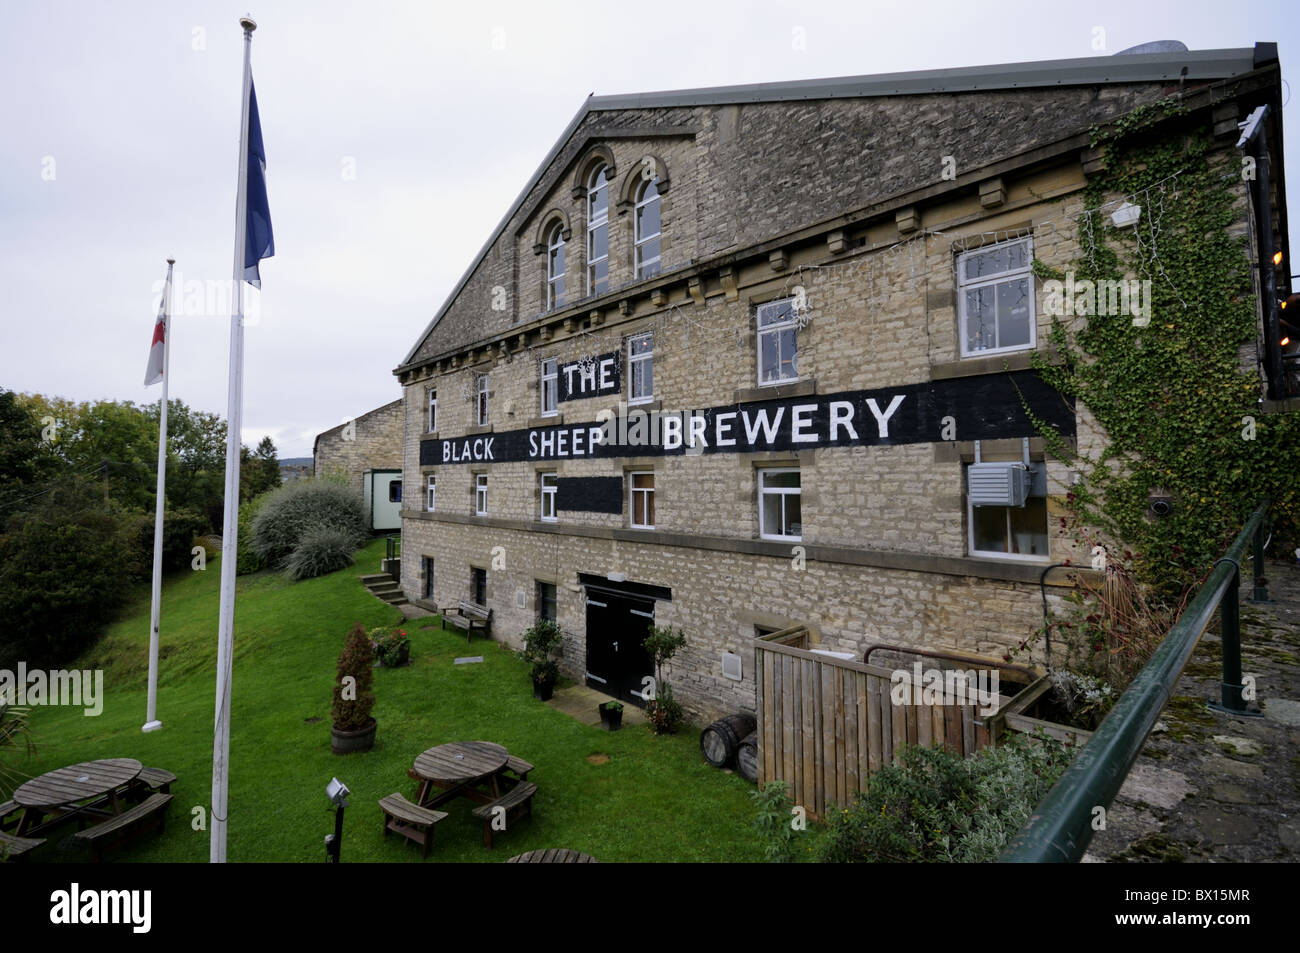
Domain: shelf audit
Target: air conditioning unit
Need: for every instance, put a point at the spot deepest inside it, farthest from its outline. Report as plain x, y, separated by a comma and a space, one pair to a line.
998, 484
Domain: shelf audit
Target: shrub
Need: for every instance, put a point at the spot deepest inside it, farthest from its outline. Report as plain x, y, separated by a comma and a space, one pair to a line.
247, 558
356, 660
389, 645
665, 714
179, 529
66, 566
542, 641
773, 820
291, 511
936, 806
320, 551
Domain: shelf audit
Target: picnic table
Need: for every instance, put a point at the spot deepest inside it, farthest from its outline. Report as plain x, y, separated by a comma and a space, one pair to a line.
92, 788
460, 768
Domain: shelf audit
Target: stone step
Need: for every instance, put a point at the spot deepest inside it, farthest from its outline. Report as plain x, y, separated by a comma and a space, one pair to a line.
375, 577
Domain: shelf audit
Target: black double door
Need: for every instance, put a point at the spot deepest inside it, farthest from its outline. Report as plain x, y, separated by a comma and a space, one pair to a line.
617, 661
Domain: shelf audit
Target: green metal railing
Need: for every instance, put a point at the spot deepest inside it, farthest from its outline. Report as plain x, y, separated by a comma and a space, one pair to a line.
1062, 824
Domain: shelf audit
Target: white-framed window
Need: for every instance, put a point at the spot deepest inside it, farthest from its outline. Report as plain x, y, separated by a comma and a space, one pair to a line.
432, 398
647, 224
779, 499
549, 486
641, 368
555, 267
995, 298
778, 342
597, 231
641, 489
480, 494
1011, 532
550, 387
431, 493
481, 399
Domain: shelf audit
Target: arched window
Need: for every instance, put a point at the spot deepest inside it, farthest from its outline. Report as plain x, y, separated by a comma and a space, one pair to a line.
597, 231
555, 266
647, 229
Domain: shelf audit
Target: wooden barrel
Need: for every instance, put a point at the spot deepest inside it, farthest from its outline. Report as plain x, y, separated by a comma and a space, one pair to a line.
720, 740
747, 757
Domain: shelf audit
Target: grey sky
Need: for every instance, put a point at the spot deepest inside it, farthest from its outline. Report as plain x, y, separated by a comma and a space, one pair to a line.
443, 110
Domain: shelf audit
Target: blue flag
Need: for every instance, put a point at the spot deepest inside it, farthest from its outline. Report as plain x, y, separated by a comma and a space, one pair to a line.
258, 241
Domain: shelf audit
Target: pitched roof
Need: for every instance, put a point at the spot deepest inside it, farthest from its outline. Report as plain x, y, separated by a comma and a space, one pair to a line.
1168, 66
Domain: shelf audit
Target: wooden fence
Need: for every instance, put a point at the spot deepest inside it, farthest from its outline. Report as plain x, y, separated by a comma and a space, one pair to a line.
826, 723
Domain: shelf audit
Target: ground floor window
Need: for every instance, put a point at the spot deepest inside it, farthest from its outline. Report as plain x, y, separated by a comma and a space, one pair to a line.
428, 577
478, 585
1012, 531
546, 600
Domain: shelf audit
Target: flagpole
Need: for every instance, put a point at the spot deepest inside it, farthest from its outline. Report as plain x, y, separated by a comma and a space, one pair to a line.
151, 722
230, 523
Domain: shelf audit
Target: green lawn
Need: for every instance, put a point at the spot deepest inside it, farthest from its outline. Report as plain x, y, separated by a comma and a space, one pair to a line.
654, 799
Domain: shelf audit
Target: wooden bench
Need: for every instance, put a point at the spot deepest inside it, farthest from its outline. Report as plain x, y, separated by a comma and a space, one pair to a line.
10, 814
469, 616
122, 828
517, 804
518, 767
413, 822
151, 781
13, 847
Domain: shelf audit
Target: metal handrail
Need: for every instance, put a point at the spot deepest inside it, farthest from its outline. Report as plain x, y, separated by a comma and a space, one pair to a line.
1062, 824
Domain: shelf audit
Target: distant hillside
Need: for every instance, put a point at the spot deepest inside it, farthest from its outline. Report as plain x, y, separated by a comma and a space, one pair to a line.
295, 462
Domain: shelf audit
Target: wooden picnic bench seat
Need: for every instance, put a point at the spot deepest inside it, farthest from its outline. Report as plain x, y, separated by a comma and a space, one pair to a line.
10, 813
517, 804
150, 781
13, 847
469, 616
122, 828
518, 767
413, 822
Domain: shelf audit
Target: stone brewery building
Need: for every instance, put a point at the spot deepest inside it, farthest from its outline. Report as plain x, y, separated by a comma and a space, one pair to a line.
743, 358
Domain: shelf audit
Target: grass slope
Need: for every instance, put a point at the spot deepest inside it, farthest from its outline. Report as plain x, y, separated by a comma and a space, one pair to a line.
655, 799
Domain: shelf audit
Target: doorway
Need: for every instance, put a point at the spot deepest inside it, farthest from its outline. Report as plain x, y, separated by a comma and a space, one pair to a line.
617, 661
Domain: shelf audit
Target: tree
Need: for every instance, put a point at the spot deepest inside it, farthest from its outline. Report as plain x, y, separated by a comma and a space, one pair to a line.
259, 470
27, 460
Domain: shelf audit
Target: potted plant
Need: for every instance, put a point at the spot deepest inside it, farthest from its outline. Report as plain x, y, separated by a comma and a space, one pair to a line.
663, 711
542, 641
392, 647
353, 727
611, 715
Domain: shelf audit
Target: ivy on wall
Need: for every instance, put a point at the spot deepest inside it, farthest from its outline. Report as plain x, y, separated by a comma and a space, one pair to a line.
1180, 412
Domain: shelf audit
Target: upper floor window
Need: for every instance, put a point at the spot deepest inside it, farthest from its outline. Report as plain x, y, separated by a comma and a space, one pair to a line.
550, 384
597, 232
647, 230
481, 399
480, 494
431, 493
433, 410
549, 484
641, 368
555, 267
778, 342
779, 510
995, 295
641, 486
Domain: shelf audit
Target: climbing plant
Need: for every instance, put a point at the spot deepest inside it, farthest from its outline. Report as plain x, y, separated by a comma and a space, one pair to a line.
1177, 403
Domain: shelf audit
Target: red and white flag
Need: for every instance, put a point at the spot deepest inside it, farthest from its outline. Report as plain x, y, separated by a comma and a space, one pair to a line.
154, 373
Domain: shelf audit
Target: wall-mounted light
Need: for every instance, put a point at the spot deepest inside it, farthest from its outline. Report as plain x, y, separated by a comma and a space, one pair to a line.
1126, 215
1277, 258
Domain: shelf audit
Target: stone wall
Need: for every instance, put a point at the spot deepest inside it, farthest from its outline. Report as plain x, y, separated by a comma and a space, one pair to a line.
372, 441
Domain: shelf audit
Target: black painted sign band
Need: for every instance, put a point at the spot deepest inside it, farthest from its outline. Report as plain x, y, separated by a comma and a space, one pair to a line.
985, 407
